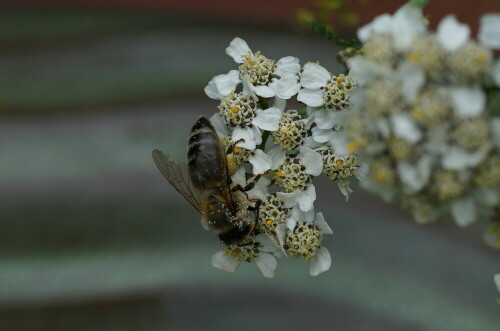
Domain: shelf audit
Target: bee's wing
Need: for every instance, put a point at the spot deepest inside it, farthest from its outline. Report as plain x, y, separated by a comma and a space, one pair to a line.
177, 174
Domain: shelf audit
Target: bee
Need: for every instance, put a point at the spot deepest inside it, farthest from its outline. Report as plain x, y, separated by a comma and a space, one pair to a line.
206, 184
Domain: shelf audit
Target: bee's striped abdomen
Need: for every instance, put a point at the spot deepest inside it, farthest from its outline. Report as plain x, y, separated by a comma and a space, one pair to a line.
206, 157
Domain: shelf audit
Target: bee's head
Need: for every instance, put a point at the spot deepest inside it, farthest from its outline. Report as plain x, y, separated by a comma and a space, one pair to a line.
236, 234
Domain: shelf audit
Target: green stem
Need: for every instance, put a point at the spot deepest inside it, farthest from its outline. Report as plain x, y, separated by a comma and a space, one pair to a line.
494, 103
418, 3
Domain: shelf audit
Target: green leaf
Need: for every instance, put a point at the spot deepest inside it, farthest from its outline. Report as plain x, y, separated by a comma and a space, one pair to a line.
418, 3
324, 31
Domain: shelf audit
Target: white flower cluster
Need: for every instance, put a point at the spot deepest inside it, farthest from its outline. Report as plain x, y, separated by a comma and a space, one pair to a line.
284, 149
420, 116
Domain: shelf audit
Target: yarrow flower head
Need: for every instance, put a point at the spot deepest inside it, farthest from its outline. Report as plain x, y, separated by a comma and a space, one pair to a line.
420, 121
275, 153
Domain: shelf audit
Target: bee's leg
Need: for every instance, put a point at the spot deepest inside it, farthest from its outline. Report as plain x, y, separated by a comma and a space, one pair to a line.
232, 146
256, 206
249, 185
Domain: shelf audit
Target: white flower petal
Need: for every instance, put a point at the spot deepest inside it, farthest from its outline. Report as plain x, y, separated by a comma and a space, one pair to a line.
278, 157
406, 128
224, 262
437, 139
239, 177
312, 143
339, 141
496, 72
211, 90
314, 76
306, 198
269, 244
266, 263
237, 48
363, 70
248, 88
281, 232
219, 125
279, 103
319, 220
264, 91
345, 189
291, 222
289, 199
309, 215
257, 135
248, 136
225, 83
381, 24
451, 34
321, 136
467, 102
325, 119
489, 31
268, 119
415, 176
321, 263
260, 161
383, 126
287, 64
408, 22
312, 161
412, 78
456, 158
204, 224
287, 86
260, 190
464, 211
313, 98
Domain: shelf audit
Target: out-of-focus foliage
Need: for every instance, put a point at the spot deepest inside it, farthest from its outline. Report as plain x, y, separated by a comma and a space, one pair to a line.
326, 11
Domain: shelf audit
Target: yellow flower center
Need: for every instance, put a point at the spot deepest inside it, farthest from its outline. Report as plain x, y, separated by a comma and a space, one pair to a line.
234, 109
481, 58
352, 146
417, 114
278, 174
340, 163
414, 58
379, 176
269, 222
235, 252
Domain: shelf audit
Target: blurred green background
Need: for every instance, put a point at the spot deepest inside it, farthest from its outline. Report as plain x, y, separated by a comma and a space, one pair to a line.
93, 238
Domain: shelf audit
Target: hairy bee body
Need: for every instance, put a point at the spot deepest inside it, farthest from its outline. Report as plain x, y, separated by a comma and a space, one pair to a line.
208, 186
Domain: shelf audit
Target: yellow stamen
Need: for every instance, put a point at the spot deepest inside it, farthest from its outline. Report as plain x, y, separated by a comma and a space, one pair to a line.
235, 252
339, 80
414, 58
379, 176
234, 109
236, 150
250, 62
480, 58
340, 163
278, 174
288, 137
269, 222
352, 146
417, 114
